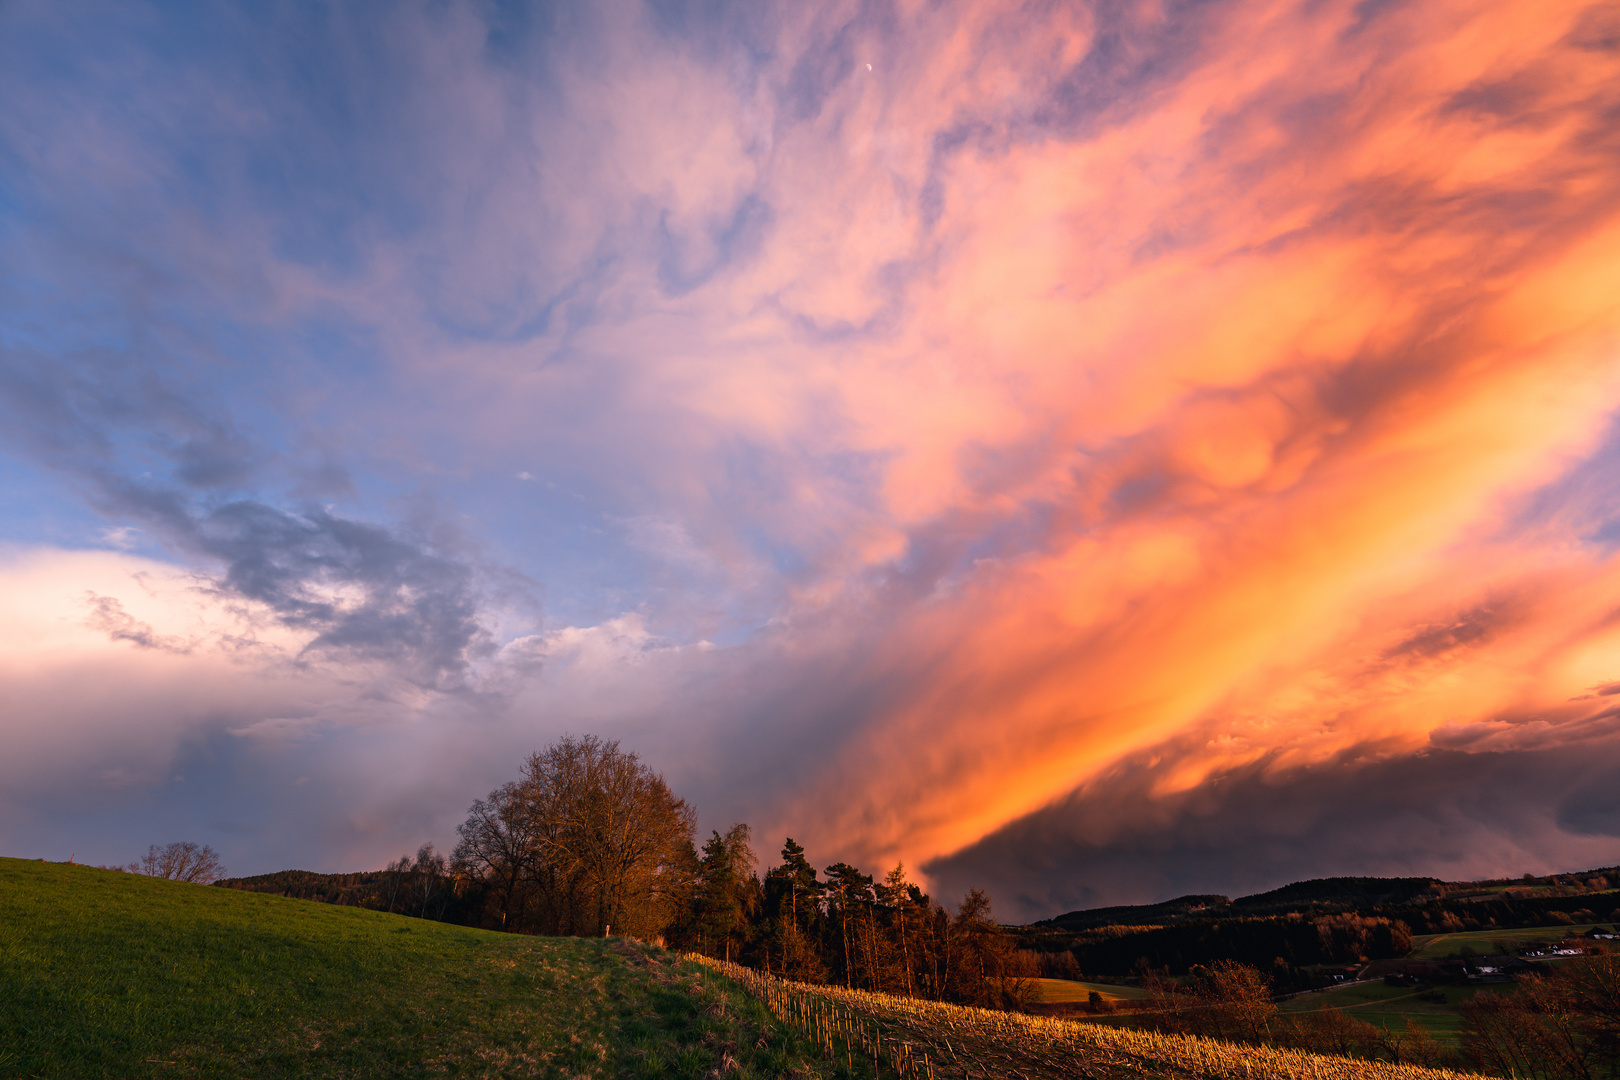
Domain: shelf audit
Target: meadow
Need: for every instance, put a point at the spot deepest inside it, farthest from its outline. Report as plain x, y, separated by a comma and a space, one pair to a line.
105, 974
1486, 942
1078, 992
1435, 1008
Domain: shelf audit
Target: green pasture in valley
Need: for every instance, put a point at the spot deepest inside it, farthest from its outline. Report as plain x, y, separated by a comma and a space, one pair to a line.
1437, 1008
1065, 991
106, 974
1486, 942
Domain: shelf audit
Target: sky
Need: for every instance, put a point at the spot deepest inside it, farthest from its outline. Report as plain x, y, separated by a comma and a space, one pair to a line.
1091, 451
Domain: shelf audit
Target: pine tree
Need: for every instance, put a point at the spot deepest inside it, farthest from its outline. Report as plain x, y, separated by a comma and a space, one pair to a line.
729, 890
850, 887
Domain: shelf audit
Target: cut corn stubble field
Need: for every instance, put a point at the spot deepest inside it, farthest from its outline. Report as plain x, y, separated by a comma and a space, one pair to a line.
929, 1040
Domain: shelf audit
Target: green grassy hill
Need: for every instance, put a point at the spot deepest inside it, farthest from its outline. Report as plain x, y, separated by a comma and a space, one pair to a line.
104, 974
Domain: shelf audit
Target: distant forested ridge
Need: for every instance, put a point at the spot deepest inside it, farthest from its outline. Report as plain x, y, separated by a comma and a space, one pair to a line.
352, 890
1326, 894
367, 889
1343, 920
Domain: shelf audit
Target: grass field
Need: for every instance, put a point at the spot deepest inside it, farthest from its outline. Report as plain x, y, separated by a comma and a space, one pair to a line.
1434, 1007
1064, 991
1385, 1006
105, 974
1484, 942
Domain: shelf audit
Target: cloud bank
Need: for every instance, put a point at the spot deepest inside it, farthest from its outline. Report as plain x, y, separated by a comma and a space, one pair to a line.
1049, 445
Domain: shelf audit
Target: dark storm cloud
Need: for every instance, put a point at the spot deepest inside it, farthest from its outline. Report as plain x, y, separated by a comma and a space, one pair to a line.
146, 448
1441, 813
1593, 809
364, 590
1471, 628
415, 606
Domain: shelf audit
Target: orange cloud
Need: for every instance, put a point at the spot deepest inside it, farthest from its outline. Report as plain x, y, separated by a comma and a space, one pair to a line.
1273, 346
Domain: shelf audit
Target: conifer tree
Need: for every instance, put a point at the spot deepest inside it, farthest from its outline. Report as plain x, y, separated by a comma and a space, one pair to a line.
850, 887
729, 890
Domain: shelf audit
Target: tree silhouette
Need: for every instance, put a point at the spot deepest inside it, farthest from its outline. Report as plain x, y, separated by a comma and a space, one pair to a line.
182, 861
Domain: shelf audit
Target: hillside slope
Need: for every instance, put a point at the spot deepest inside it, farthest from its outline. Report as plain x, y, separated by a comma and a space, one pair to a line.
1327, 894
923, 1040
116, 975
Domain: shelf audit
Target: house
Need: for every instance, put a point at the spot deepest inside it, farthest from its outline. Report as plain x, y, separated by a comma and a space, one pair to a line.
1503, 969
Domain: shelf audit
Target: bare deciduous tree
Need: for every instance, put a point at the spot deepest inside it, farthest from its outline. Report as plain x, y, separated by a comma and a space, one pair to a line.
593, 835
182, 861
498, 847
421, 887
1562, 1026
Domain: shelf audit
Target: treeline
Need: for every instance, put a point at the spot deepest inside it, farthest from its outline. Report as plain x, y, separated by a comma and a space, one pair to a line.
1428, 905
1291, 942
590, 841
422, 886
851, 929
1323, 896
351, 890
1508, 911
1323, 922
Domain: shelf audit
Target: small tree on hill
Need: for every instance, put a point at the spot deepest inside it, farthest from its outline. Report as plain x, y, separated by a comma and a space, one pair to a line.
1236, 1000
182, 861
981, 972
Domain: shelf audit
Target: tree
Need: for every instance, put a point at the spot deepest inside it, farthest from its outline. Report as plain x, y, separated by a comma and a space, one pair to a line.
1563, 1026
1411, 1045
183, 861
1332, 1031
498, 847
796, 880
896, 893
792, 910
979, 973
728, 895
848, 887
591, 834
1236, 1000
419, 886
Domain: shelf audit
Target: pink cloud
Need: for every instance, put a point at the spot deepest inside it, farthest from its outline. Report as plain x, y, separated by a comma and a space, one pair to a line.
1056, 390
